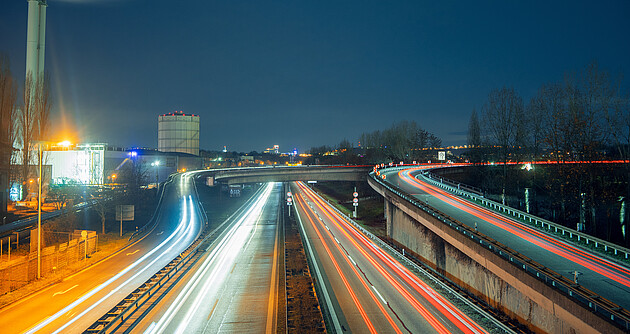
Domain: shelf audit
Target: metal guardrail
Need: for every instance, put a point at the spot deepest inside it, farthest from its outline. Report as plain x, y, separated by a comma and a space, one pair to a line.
116, 316
380, 243
459, 185
610, 250
592, 301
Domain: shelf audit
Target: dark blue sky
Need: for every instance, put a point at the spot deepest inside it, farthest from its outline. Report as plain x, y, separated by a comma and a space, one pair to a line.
304, 74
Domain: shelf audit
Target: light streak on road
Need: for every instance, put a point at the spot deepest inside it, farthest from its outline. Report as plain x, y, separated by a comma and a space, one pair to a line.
389, 269
597, 264
355, 300
182, 231
212, 272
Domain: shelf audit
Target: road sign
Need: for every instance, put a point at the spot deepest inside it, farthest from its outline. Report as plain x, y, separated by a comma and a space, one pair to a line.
355, 200
124, 212
355, 194
441, 155
289, 194
355, 204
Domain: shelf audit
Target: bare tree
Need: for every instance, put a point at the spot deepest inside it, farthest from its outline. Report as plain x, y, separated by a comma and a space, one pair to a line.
549, 104
27, 120
8, 110
503, 118
33, 120
535, 123
474, 138
43, 103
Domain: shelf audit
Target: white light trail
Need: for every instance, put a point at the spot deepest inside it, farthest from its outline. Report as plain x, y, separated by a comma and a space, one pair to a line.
185, 222
214, 269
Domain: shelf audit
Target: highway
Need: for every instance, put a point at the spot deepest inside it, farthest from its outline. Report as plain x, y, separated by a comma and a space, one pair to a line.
72, 305
232, 288
604, 277
365, 287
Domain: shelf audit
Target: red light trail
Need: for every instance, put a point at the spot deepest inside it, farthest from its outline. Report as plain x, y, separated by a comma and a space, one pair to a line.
579, 256
393, 272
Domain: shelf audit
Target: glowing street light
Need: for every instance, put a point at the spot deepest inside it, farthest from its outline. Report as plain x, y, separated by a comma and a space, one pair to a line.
156, 164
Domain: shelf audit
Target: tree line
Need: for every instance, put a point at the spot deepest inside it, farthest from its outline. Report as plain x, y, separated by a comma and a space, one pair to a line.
403, 141
577, 119
584, 117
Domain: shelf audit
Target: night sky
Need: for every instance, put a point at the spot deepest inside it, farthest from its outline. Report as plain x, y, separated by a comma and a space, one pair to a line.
302, 74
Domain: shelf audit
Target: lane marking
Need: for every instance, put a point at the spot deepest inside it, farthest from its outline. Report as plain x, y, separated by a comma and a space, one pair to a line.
271, 307
134, 252
212, 310
379, 294
62, 292
162, 232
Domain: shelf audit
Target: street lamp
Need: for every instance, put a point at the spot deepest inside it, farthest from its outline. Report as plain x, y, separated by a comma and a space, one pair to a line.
156, 164
40, 154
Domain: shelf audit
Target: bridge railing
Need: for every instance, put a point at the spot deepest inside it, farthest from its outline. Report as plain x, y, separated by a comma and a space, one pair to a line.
592, 244
592, 301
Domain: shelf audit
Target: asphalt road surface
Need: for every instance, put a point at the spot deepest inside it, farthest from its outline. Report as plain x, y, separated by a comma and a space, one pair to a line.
233, 287
367, 289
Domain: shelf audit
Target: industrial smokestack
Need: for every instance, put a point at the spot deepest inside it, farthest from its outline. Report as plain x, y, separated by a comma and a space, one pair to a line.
36, 38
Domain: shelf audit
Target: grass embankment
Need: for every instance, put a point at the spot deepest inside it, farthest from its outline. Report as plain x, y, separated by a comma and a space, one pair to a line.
370, 209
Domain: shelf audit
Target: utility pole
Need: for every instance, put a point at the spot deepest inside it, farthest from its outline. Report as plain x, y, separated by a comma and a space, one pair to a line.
39, 214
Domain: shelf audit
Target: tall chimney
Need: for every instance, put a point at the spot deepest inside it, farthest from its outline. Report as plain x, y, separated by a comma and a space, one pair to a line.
36, 38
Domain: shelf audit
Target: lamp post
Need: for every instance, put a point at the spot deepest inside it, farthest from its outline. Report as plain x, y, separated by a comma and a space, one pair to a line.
40, 154
39, 213
156, 164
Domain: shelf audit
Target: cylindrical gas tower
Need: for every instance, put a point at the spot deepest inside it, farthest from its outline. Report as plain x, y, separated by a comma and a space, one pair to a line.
178, 132
36, 39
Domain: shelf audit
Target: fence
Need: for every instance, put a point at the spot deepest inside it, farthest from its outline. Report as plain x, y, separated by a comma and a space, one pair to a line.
23, 270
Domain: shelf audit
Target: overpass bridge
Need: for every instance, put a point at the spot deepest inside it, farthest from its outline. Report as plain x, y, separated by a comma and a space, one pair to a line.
288, 174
